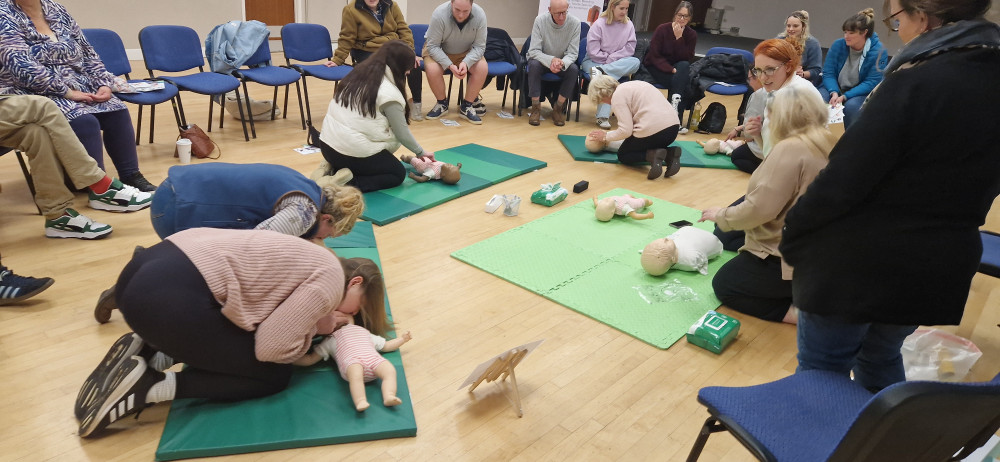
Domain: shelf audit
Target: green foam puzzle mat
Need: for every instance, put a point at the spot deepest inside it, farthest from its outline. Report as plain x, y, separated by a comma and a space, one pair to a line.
316, 408
592, 267
481, 167
692, 154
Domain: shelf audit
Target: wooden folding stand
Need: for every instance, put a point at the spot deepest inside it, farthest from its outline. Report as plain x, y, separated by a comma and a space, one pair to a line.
502, 366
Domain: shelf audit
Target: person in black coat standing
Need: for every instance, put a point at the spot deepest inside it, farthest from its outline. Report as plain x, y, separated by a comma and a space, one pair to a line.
886, 238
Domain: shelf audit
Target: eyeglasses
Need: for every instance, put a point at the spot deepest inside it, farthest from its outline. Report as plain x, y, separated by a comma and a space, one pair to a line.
559, 13
892, 24
768, 71
682, 16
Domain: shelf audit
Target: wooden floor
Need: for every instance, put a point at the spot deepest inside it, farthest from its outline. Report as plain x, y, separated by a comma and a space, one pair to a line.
589, 392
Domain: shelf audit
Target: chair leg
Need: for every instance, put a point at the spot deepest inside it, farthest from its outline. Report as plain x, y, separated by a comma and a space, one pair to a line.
249, 113
305, 91
461, 92
302, 114
451, 79
211, 112
243, 121
152, 121
138, 126
274, 103
179, 110
27, 177
712, 425
506, 82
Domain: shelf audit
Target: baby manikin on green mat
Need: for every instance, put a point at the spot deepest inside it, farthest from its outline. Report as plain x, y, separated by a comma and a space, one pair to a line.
594, 268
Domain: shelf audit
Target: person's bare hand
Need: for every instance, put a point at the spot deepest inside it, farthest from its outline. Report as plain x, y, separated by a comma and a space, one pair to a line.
463, 70
597, 135
709, 214
678, 30
556, 66
428, 156
103, 94
79, 96
752, 126
330, 64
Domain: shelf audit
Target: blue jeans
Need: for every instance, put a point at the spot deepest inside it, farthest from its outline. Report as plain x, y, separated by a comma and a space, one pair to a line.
852, 106
616, 70
871, 350
118, 135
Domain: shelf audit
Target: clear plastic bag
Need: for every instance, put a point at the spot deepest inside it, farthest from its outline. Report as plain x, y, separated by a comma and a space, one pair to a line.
933, 354
672, 290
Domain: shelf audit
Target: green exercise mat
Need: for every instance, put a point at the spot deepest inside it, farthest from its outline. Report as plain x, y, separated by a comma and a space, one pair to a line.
692, 154
481, 167
316, 408
592, 267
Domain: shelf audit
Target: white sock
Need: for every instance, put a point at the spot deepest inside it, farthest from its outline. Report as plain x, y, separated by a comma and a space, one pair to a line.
163, 390
160, 362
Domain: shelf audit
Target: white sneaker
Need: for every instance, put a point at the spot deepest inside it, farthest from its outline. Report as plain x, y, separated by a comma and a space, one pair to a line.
416, 113
682, 131
603, 123
595, 71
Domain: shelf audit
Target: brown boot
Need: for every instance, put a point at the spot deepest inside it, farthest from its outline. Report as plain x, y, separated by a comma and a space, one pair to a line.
559, 114
672, 162
655, 157
535, 114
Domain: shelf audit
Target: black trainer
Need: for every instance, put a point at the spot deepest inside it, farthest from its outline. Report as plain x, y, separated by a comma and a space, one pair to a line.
123, 394
14, 288
124, 348
139, 182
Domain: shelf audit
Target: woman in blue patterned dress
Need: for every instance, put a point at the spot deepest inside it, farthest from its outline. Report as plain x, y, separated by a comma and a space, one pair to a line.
43, 52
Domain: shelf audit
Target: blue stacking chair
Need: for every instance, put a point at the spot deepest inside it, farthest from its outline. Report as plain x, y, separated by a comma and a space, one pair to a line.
110, 48
503, 69
260, 70
309, 43
990, 262
728, 90
823, 416
178, 49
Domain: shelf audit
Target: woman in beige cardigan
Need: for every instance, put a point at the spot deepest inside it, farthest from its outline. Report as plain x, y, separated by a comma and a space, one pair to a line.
756, 281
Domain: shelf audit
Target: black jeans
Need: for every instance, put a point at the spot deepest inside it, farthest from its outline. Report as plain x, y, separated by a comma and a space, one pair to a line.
381, 170
753, 286
732, 240
167, 302
633, 150
676, 82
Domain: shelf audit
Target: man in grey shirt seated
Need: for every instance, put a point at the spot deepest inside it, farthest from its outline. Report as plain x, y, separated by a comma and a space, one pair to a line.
555, 44
456, 41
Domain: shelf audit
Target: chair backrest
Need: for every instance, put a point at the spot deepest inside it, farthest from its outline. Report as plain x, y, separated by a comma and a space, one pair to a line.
584, 29
110, 48
171, 48
923, 421
990, 262
306, 42
419, 35
261, 57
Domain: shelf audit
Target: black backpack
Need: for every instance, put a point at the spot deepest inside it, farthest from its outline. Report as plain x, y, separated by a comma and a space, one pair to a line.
713, 120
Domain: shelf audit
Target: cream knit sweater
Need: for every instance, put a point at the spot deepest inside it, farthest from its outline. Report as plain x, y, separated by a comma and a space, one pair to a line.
275, 285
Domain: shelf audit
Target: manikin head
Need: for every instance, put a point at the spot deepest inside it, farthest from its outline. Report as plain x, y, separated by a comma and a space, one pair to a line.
593, 145
605, 209
450, 174
658, 256
712, 146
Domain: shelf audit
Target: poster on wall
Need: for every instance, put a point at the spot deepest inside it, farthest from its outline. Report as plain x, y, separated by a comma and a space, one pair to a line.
585, 10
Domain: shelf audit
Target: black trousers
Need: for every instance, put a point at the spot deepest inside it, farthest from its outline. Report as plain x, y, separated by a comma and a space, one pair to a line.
753, 286
633, 150
732, 240
744, 159
379, 171
167, 302
570, 79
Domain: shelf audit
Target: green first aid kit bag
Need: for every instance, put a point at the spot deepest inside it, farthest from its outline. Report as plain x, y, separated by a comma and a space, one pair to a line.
714, 331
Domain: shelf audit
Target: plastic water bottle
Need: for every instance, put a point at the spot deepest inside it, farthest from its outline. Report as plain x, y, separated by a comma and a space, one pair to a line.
696, 114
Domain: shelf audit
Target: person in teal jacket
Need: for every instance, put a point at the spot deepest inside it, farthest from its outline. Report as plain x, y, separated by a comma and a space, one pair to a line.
854, 65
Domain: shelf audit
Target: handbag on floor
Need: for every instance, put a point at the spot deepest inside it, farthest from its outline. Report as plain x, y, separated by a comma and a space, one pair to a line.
201, 145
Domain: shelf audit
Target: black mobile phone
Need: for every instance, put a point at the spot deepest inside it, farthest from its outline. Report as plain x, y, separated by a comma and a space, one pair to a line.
680, 224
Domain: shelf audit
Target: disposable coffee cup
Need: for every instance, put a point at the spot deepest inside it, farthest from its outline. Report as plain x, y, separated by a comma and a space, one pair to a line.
184, 150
